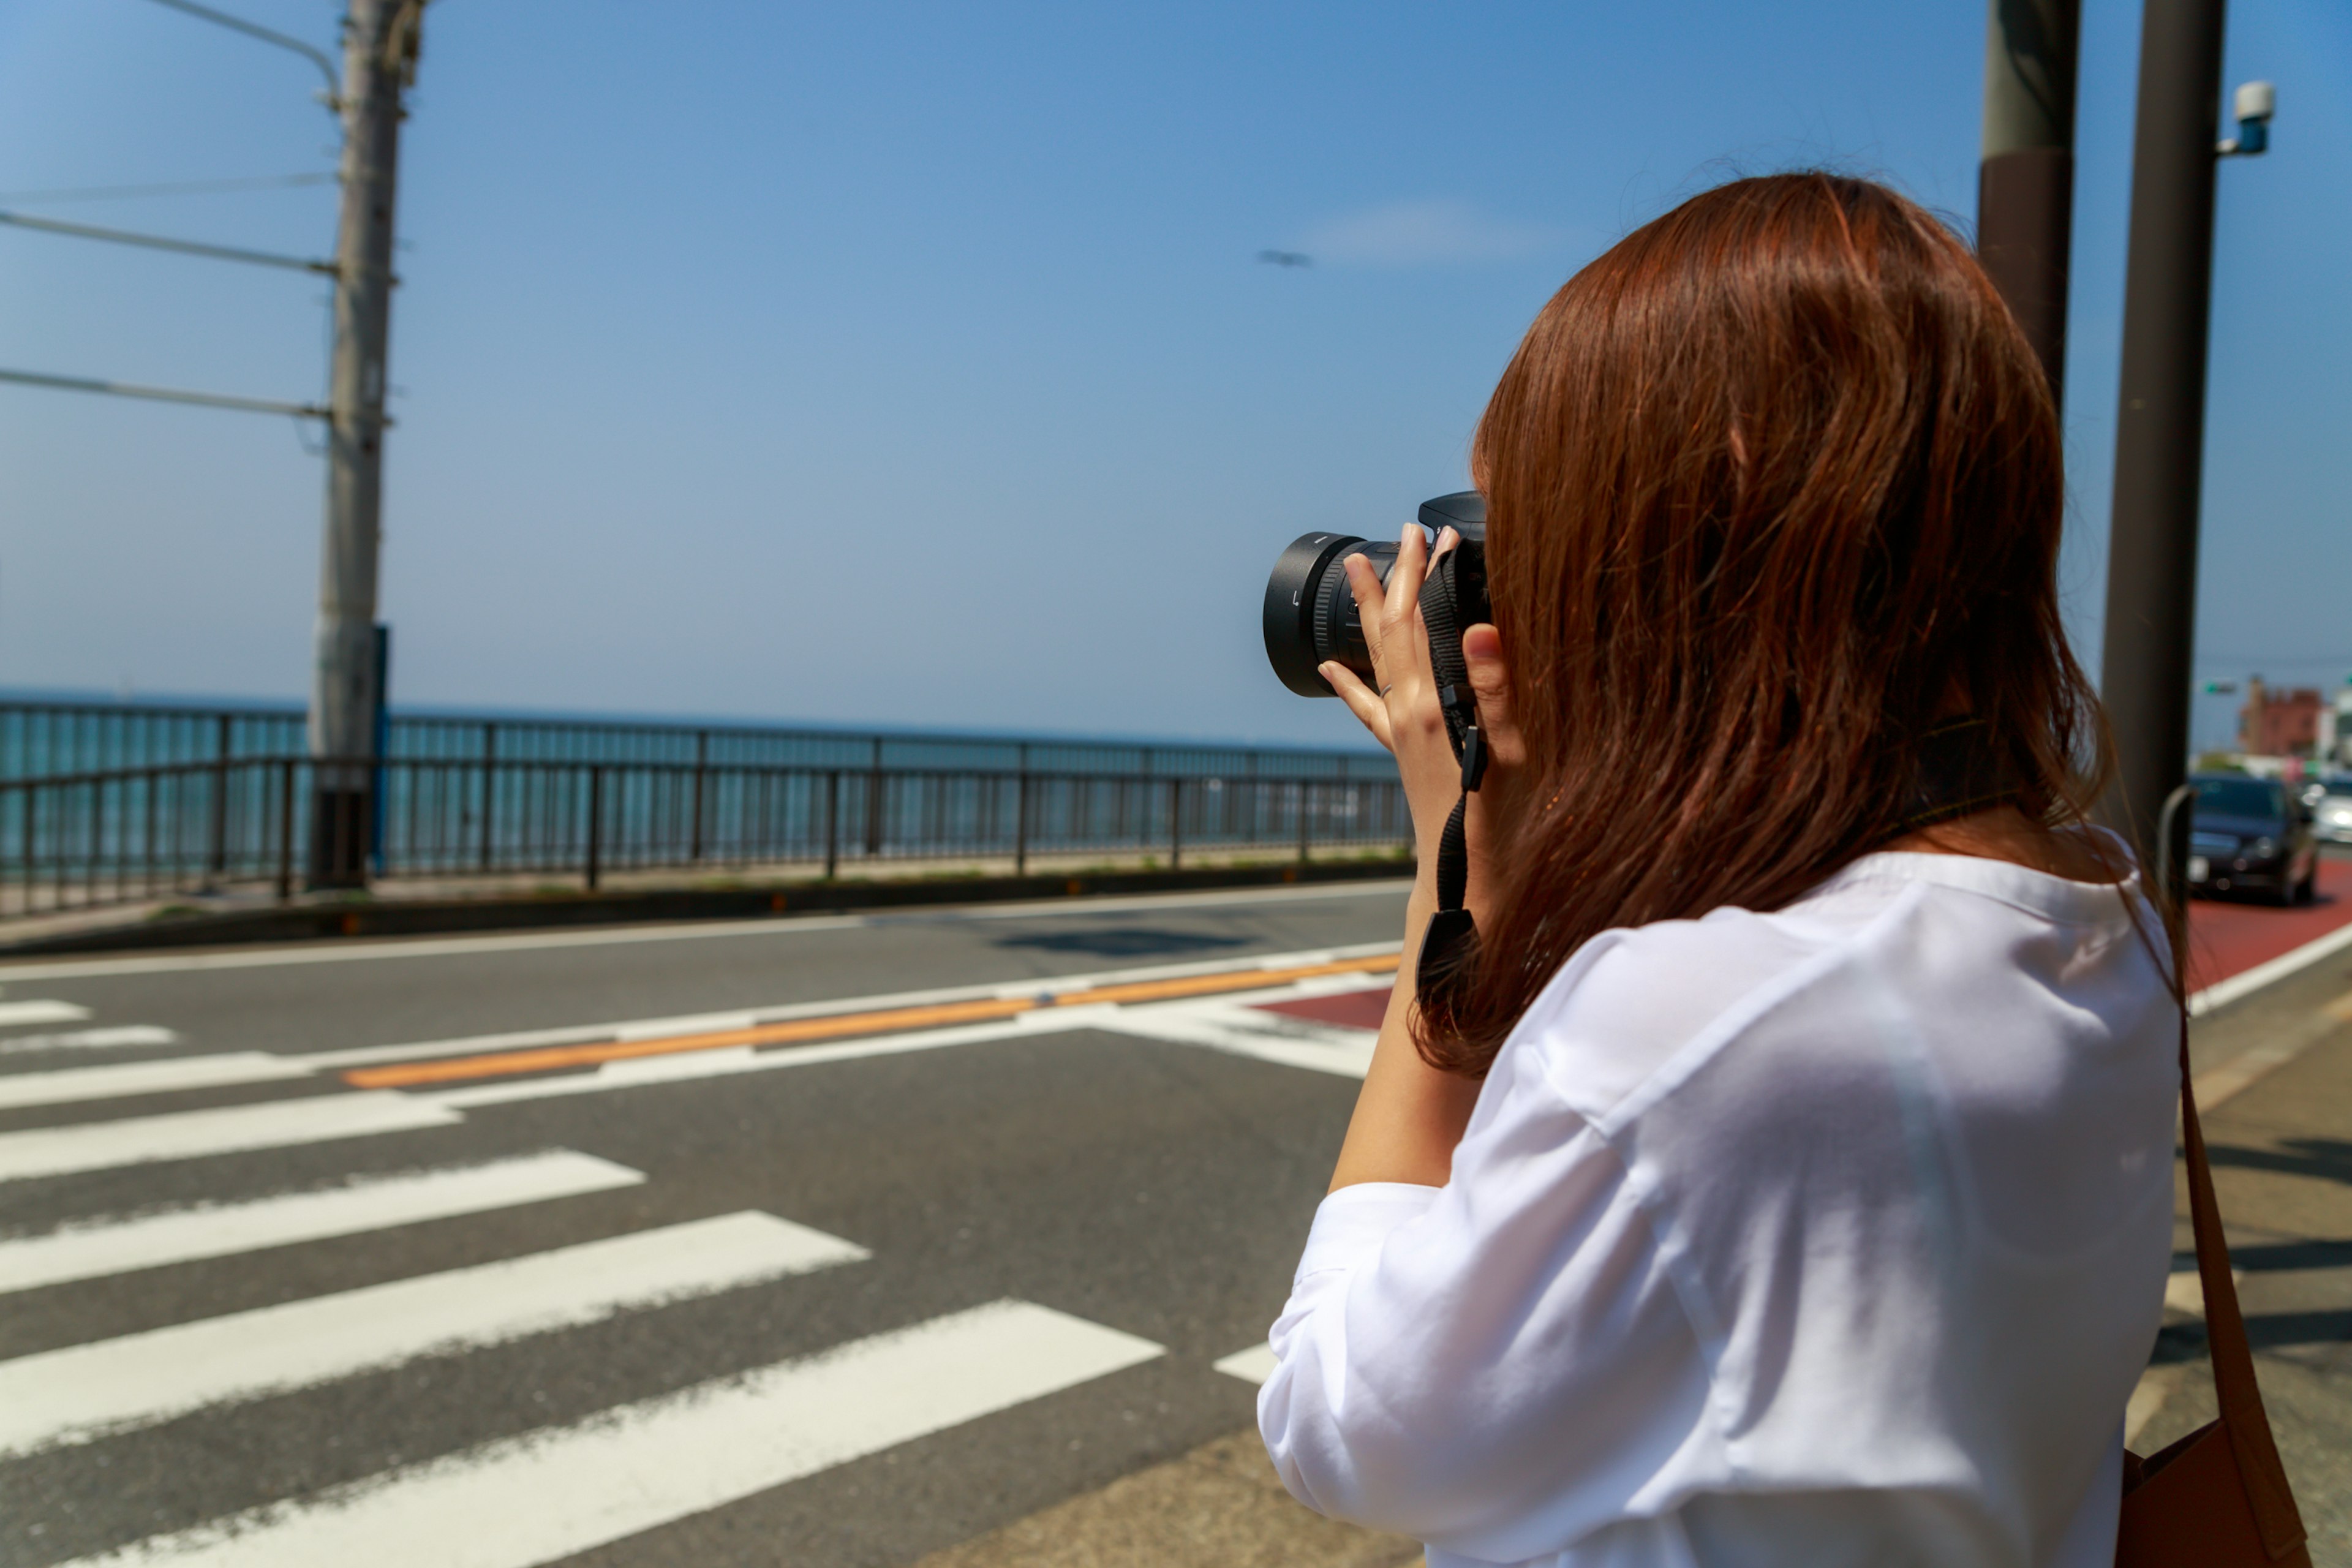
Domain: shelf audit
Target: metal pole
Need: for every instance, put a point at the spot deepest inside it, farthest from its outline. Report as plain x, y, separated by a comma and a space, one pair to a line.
1305, 803
1175, 825
596, 820
2160, 421
2026, 187
285, 830
701, 763
216, 859
832, 824
1021, 828
489, 786
380, 47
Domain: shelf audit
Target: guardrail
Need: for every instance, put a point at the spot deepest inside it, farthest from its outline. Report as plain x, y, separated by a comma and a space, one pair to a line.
136, 834
46, 739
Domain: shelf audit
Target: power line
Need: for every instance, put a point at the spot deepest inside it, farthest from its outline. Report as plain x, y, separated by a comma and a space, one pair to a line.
176, 188
164, 393
158, 242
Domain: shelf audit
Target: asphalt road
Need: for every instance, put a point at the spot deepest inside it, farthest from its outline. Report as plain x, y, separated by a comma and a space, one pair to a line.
747, 1303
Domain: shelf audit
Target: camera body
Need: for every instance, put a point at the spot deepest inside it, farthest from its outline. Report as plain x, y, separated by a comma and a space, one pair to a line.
1310, 614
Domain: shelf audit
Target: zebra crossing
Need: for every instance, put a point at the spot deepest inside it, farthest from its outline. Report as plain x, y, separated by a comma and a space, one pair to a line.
545, 1493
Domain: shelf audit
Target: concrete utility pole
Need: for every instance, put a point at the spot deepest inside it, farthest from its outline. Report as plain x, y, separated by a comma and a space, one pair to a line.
2026, 187
2160, 420
381, 39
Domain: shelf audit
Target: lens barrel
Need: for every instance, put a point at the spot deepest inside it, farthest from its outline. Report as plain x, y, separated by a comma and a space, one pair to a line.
1310, 614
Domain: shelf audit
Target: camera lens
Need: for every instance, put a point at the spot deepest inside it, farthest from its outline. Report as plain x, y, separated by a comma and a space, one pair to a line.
1310, 614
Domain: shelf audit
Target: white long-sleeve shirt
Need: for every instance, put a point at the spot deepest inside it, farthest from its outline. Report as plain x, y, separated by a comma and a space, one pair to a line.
1834, 1236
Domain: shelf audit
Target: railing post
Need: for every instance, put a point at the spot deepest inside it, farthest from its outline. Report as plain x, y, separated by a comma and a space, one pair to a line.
489, 785
286, 830
1020, 825
1306, 815
874, 804
701, 762
596, 820
832, 824
1175, 825
216, 857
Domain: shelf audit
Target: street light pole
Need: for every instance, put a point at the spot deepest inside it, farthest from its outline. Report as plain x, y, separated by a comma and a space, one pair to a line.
379, 45
2151, 618
2025, 185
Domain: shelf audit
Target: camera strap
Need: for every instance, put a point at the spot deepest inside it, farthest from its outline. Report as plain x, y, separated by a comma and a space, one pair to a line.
1451, 943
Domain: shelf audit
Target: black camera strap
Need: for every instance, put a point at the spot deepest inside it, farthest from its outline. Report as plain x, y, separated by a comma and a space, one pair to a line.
1451, 943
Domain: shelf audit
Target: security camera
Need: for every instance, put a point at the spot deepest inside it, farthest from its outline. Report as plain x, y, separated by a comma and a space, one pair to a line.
2255, 102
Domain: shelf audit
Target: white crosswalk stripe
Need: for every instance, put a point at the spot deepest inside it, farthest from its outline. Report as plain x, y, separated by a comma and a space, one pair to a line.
93, 1250
112, 1038
89, 1390
185, 1134
13, 1014
551, 1493
68, 1085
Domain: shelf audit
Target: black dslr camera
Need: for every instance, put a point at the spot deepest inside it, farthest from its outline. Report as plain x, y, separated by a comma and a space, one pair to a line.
1310, 616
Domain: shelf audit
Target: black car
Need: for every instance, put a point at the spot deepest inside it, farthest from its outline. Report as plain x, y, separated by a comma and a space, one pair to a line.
2252, 835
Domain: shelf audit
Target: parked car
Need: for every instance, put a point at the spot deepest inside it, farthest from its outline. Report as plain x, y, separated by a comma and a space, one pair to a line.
2332, 811
2252, 835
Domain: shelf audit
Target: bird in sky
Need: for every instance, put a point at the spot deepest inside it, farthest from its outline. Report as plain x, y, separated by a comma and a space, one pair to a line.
1285, 259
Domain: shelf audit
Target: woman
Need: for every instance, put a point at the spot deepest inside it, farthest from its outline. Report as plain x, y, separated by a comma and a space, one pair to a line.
1786, 1176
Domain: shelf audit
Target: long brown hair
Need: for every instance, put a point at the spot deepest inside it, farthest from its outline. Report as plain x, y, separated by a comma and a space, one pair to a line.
1773, 485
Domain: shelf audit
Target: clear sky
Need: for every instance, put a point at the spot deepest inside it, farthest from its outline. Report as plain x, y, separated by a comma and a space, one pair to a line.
911, 364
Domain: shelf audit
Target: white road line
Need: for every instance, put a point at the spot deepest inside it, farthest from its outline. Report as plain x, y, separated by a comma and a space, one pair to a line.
745, 1018
13, 1013
1245, 1032
68, 1085
363, 950
2222, 993
186, 1134
552, 1493
1236, 1030
690, 1065
87, 1391
93, 1250
92, 1039
1254, 1365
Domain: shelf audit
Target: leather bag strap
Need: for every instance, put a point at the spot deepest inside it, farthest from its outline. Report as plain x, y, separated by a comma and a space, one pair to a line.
2240, 1397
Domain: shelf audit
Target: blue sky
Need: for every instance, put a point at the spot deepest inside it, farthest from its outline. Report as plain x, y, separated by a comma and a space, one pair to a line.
910, 363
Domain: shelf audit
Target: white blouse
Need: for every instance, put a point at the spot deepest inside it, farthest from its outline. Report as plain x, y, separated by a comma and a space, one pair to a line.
1835, 1235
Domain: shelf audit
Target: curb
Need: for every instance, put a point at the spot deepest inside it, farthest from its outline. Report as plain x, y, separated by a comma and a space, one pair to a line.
437, 916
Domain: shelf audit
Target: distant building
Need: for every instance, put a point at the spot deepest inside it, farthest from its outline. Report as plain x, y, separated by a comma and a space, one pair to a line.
2283, 723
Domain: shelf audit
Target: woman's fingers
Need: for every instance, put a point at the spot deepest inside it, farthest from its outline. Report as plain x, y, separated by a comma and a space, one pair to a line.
1361, 701
1490, 679
1365, 583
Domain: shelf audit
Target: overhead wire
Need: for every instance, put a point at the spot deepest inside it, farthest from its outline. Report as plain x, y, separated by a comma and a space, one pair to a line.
173, 188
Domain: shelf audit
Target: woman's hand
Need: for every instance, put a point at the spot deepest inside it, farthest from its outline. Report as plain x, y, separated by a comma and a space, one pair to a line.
1403, 714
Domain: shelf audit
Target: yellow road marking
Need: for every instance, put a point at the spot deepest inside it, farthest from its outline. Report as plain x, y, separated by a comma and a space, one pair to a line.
846, 1025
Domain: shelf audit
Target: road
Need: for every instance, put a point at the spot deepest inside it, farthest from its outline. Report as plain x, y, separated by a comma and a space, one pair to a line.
939, 1238
827, 1240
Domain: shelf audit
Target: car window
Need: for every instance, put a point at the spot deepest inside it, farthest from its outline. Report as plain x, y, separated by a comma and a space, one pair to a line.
2240, 797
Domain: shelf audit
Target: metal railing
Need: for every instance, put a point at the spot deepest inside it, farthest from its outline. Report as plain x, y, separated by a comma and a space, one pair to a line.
47, 739
136, 834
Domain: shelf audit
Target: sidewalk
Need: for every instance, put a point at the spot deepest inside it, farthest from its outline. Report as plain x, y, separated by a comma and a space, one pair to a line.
2281, 1152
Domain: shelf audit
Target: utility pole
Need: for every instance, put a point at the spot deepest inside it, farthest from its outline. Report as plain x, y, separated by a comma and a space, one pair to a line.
2025, 185
2151, 619
381, 39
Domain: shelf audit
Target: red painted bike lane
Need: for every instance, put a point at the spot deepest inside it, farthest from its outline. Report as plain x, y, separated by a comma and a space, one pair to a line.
2228, 937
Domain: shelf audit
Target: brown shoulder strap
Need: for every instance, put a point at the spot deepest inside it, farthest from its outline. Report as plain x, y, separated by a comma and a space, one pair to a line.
2233, 1359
